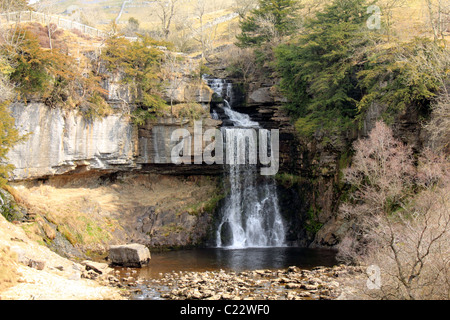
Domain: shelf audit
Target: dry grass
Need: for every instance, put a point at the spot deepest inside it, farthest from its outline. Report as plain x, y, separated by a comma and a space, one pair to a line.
89, 213
8, 265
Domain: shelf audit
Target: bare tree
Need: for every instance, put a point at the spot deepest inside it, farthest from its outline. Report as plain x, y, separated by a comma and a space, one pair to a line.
171, 70
242, 7
241, 63
388, 7
166, 13
438, 17
11, 36
199, 33
51, 29
182, 38
267, 26
203, 33
405, 234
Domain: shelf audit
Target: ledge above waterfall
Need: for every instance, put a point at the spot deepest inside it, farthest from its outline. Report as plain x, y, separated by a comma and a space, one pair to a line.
63, 142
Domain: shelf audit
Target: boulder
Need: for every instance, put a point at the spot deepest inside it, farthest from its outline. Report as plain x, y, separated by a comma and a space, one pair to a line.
37, 264
100, 268
129, 255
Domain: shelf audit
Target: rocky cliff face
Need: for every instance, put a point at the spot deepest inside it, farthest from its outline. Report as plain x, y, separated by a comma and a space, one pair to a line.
64, 142
59, 142
406, 127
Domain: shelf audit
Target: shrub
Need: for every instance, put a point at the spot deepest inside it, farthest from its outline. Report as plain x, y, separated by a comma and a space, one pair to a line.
139, 63
400, 215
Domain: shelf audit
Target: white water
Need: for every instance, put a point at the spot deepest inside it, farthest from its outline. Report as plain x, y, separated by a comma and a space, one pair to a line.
239, 119
250, 216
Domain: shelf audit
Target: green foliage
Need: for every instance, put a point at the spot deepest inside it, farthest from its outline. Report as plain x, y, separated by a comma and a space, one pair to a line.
200, 71
32, 67
52, 76
8, 137
288, 180
139, 63
312, 225
96, 107
141, 116
271, 18
319, 68
192, 111
337, 69
398, 76
207, 206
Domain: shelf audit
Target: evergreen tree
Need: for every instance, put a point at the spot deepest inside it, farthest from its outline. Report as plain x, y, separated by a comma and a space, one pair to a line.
8, 137
8, 133
139, 63
319, 68
272, 18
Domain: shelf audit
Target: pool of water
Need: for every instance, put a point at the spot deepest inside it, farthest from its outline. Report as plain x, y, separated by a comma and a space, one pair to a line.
214, 259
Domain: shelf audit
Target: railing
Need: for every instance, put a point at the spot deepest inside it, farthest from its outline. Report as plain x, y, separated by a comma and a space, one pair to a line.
45, 19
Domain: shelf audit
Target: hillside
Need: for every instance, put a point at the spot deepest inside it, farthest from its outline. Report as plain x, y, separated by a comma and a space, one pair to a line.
147, 13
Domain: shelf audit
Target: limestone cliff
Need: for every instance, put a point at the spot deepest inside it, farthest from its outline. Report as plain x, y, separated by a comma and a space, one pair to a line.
84, 184
59, 142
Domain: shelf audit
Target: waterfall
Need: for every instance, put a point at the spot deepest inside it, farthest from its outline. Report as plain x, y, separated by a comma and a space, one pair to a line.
250, 216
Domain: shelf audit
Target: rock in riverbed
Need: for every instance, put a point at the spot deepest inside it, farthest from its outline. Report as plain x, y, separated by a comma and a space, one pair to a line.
290, 284
129, 255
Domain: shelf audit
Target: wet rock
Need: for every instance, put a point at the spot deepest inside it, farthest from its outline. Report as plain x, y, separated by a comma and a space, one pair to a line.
310, 287
293, 269
293, 286
100, 268
130, 255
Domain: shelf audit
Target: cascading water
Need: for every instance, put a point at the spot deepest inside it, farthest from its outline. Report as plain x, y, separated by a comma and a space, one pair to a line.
250, 216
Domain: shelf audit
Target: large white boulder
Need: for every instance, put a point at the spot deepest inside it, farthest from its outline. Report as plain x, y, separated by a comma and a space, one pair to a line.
129, 255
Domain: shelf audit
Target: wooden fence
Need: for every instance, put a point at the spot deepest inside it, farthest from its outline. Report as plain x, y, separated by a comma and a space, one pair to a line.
45, 19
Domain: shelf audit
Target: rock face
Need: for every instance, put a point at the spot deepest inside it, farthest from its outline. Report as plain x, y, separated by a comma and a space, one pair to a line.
130, 255
155, 145
63, 141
